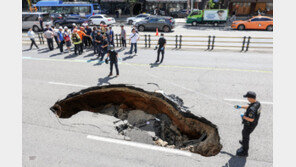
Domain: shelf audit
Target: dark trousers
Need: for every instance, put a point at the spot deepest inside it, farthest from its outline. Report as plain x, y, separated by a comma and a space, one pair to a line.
56, 39
103, 52
123, 41
77, 48
61, 45
158, 53
89, 41
99, 50
81, 47
50, 43
33, 43
132, 46
247, 130
116, 67
95, 47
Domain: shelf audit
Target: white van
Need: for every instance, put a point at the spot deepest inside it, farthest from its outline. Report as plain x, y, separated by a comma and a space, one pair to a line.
30, 20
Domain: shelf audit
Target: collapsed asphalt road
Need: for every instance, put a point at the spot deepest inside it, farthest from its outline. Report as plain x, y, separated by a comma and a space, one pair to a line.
164, 117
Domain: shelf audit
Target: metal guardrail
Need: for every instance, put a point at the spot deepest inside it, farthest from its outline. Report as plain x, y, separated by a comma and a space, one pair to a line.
208, 43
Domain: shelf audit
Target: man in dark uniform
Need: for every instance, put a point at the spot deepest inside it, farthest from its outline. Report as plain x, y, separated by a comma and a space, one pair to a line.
93, 35
250, 120
113, 57
98, 41
161, 46
104, 48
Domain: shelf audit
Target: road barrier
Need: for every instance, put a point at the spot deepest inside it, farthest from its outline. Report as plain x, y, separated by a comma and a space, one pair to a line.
207, 42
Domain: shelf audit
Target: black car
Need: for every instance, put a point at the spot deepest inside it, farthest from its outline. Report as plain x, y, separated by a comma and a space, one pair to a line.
180, 14
163, 23
69, 20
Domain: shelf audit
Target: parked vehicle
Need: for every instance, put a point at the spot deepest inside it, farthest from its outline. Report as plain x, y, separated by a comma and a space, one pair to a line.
30, 20
180, 14
255, 23
101, 19
212, 16
132, 20
69, 20
163, 23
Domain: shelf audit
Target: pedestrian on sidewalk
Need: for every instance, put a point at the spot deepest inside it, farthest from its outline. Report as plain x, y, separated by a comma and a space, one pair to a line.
104, 48
99, 41
41, 23
119, 12
31, 35
161, 47
113, 57
93, 36
123, 36
49, 38
250, 120
111, 36
67, 35
81, 35
61, 39
76, 40
55, 33
134, 38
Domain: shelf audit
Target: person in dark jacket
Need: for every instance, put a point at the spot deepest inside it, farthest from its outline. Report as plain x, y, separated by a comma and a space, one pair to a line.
250, 120
161, 47
113, 58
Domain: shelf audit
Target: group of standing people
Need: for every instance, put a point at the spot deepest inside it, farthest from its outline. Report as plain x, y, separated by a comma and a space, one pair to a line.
100, 38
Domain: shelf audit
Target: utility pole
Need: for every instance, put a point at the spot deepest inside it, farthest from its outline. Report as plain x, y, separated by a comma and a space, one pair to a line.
191, 5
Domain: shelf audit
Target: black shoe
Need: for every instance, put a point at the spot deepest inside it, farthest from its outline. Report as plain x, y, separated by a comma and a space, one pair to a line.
242, 153
240, 142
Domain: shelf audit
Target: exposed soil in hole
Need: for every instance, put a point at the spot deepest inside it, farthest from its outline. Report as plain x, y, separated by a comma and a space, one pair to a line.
149, 117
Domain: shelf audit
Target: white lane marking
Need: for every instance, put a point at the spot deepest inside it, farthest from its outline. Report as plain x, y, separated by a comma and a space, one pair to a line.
65, 84
239, 100
139, 145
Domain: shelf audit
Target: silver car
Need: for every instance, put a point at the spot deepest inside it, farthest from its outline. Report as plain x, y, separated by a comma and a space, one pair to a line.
31, 20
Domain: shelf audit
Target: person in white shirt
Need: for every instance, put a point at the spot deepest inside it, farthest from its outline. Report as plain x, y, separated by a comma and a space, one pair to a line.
133, 39
31, 35
49, 37
55, 33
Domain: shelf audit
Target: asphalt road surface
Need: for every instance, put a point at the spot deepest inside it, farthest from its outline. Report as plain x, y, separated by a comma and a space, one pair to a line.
210, 83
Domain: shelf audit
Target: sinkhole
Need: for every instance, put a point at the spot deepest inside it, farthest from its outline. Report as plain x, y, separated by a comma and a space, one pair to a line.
166, 120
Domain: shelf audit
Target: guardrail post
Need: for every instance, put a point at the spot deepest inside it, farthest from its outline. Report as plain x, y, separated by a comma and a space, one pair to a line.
244, 41
176, 41
116, 37
149, 41
213, 42
145, 40
209, 43
248, 43
180, 42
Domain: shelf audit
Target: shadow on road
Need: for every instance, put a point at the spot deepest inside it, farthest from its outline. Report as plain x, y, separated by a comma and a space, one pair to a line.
105, 80
73, 55
89, 55
128, 57
55, 54
234, 161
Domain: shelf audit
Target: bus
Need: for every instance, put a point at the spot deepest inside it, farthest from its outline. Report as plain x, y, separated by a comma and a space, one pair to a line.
85, 9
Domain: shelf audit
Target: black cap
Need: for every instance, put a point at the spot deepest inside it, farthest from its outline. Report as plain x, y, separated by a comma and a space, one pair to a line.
250, 94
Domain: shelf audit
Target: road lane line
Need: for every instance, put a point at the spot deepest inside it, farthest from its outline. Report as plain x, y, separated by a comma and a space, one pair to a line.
139, 145
66, 84
239, 100
147, 65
